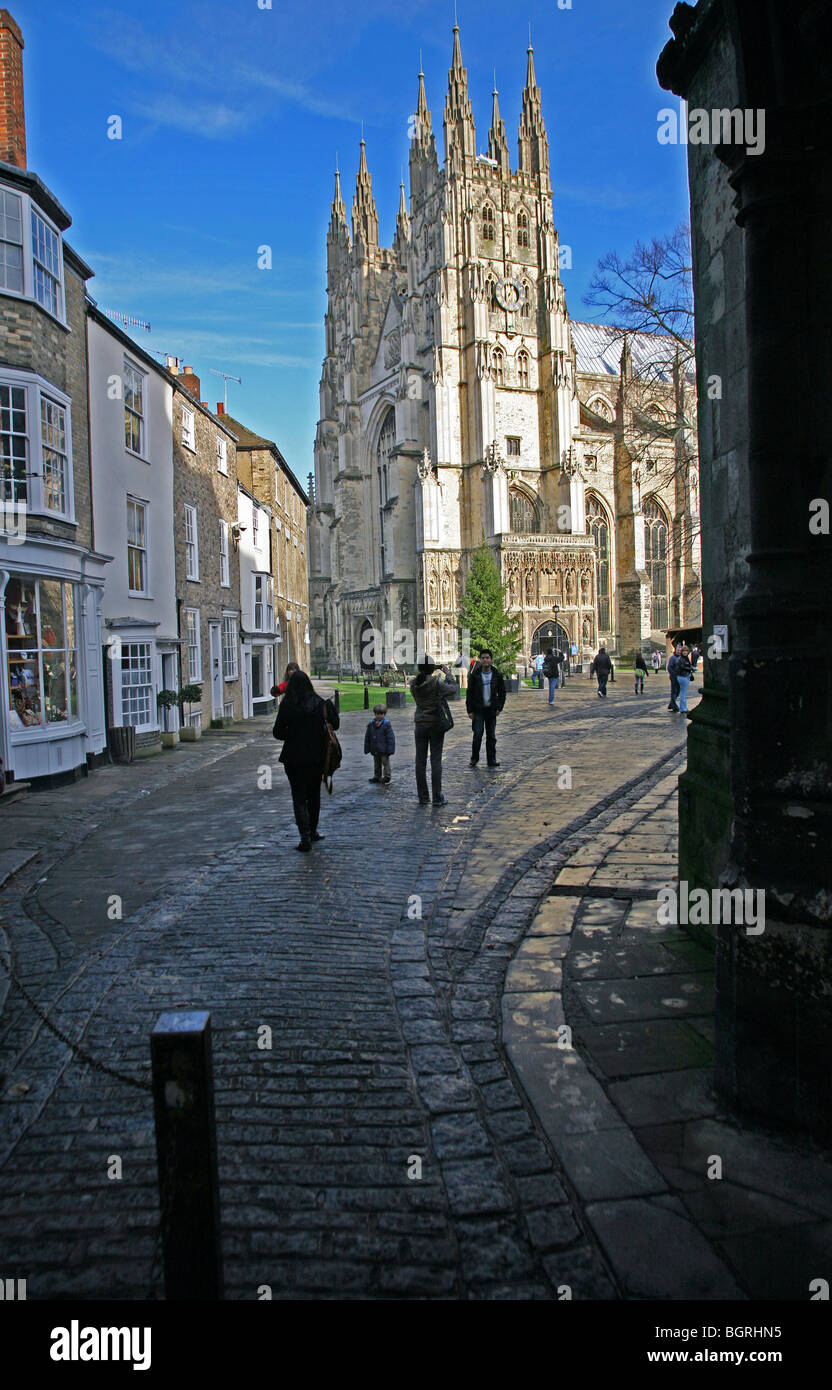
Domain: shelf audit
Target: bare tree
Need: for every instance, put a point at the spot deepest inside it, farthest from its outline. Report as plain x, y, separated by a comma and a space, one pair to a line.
652, 292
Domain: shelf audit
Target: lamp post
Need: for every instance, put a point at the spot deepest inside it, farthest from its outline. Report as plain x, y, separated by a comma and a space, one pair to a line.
556, 610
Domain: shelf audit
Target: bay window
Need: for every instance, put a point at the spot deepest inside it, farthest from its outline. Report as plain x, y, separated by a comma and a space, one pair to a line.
42, 675
30, 265
35, 445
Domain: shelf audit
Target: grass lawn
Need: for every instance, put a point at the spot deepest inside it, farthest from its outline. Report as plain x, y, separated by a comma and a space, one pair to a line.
352, 694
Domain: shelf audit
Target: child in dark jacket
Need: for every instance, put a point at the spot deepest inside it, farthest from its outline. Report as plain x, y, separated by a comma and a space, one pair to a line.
380, 740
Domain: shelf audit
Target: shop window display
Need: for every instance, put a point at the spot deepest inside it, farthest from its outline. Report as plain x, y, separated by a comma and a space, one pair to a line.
42, 675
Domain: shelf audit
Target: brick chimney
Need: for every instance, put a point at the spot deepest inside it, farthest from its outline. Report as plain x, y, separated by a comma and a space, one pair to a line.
191, 381
220, 408
12, 118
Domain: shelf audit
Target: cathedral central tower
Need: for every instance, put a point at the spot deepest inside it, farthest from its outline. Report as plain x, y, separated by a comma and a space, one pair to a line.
451, 408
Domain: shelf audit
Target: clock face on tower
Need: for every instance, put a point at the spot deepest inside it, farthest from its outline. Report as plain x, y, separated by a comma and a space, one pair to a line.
508, 294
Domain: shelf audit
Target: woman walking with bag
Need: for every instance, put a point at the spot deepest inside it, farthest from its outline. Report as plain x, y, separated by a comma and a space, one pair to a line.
302, 725
430, 689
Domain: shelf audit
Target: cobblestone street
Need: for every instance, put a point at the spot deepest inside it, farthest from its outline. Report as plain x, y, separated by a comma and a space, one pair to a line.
410, 970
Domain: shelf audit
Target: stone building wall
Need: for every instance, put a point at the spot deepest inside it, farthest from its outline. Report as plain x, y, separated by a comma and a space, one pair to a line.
197, 482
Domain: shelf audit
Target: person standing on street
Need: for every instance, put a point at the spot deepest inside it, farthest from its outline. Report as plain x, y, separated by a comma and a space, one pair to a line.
639, 671
484, 700
684, 671
671, 668
601, 668
429, 688
656, 660
380, 740
538, 669
550, 671
301, 723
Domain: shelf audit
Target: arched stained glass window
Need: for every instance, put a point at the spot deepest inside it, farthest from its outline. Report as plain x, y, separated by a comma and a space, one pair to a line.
656, 561
487, 222
598, 527
523, 514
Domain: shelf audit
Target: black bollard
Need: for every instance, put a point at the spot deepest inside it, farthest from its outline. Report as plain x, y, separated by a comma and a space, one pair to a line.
186, 1150
337, 702
366, 696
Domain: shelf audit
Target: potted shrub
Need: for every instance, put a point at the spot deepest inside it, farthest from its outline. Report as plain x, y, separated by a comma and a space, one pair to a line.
193, 695
167, 700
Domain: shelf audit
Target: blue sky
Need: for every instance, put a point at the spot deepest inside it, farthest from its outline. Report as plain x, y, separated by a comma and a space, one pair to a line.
232, 116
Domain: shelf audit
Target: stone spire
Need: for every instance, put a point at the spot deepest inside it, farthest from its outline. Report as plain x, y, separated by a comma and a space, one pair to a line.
339, 211
338, 236
424, 164
532, 143
460, 135
402, 223
497, 142
626, 359
364, 215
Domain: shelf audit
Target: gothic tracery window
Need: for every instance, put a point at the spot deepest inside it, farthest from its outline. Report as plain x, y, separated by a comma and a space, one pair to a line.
526, 302
384, 449
498, 366
598, 527
523, 514
522, 229
487, 222
523, 368
655, 557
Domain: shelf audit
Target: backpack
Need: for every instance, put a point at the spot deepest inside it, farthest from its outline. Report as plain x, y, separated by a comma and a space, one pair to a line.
550, 666
683, 667
333, 755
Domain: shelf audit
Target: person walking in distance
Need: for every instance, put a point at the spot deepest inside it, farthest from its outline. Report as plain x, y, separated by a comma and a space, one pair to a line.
430, 688
277, 690
484, 700
684, 671
656, 661
671, 668
601, 668
550, 671
639, 672
538, 669
380, 740
301, 723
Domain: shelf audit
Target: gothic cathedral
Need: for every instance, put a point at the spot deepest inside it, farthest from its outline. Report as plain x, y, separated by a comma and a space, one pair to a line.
459, 403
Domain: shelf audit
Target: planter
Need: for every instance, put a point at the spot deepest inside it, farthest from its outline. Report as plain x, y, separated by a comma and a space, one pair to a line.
396, 699
170, 738
122, 743
190, 733
512, 685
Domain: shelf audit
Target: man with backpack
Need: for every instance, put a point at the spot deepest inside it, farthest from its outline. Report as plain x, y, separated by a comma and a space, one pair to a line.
551, 670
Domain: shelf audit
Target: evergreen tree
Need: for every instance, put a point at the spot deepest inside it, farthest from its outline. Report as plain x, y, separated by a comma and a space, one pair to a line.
483, 612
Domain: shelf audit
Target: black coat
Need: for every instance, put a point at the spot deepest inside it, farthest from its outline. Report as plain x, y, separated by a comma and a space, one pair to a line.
473, 699
304, 733
601, 666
